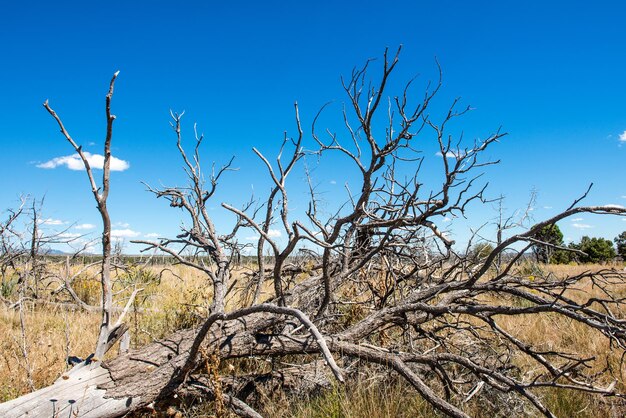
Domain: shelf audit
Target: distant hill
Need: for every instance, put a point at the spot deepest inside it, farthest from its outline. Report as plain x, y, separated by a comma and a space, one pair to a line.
50, 251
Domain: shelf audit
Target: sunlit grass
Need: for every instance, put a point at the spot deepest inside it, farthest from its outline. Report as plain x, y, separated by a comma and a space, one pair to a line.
179, 297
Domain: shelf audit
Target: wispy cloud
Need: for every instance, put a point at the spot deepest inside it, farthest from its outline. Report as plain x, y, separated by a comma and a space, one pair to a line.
69, 235
272, 233
90, 249
85, 226
333, 182
121, 224
152, 235
622, 136
451, 154
576, 219
124, 233
73, 162
547, 207
50, 221
581, 226
612, 205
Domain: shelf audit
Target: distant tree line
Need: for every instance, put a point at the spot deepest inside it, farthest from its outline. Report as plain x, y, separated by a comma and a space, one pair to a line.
550, 248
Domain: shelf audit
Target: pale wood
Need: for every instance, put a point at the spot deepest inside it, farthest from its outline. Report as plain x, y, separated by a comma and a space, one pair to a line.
75, 393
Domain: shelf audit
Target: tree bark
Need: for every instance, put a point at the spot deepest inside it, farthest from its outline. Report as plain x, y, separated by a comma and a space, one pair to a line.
139, 377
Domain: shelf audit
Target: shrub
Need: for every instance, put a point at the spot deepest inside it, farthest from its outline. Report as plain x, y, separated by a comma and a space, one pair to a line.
596, 250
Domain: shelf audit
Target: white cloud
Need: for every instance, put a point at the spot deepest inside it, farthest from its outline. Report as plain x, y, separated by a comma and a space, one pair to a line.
69, 235
547, 207
50, 221
451, 154
333, 182
611, 205
152, 235
576, 219
90, 249
446, 219
581, 226
124, 233
73, 162
85, 226
121, 224
622, 136
272, 233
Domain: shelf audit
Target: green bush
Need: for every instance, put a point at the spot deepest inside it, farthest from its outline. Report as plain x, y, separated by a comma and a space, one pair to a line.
550, 234
8, 286
596, 250
620, 241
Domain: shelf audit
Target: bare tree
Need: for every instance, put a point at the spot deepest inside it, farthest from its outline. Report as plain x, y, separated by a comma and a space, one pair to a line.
109, 332
24, 246
434, 316
10, 244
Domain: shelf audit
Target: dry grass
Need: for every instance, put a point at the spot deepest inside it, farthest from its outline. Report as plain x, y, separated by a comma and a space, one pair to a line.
178, 298
552, 332
51, 332
54, 330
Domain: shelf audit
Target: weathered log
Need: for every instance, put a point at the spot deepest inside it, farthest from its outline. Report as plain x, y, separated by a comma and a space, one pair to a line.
75, 393
142, 376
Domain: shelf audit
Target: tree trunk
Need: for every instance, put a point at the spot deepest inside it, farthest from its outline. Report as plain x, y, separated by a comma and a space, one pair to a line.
76, 393
139, 377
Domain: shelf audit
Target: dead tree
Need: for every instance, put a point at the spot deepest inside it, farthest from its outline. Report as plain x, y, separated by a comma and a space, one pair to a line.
437, 319
10, 247
24, 244
110, 332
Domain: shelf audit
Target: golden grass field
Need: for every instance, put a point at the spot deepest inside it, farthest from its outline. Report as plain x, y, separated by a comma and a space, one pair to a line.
51, 332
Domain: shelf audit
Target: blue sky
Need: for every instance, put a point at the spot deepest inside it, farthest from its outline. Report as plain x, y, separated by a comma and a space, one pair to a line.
552, 75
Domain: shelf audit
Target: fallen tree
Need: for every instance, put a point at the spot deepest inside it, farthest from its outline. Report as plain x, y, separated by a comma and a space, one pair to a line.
376, 282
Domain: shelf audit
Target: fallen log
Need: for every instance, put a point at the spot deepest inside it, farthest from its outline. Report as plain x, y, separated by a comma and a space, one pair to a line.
75, 393
142, 376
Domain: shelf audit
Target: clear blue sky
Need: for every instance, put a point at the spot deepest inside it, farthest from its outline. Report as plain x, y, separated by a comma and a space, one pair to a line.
552, 75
